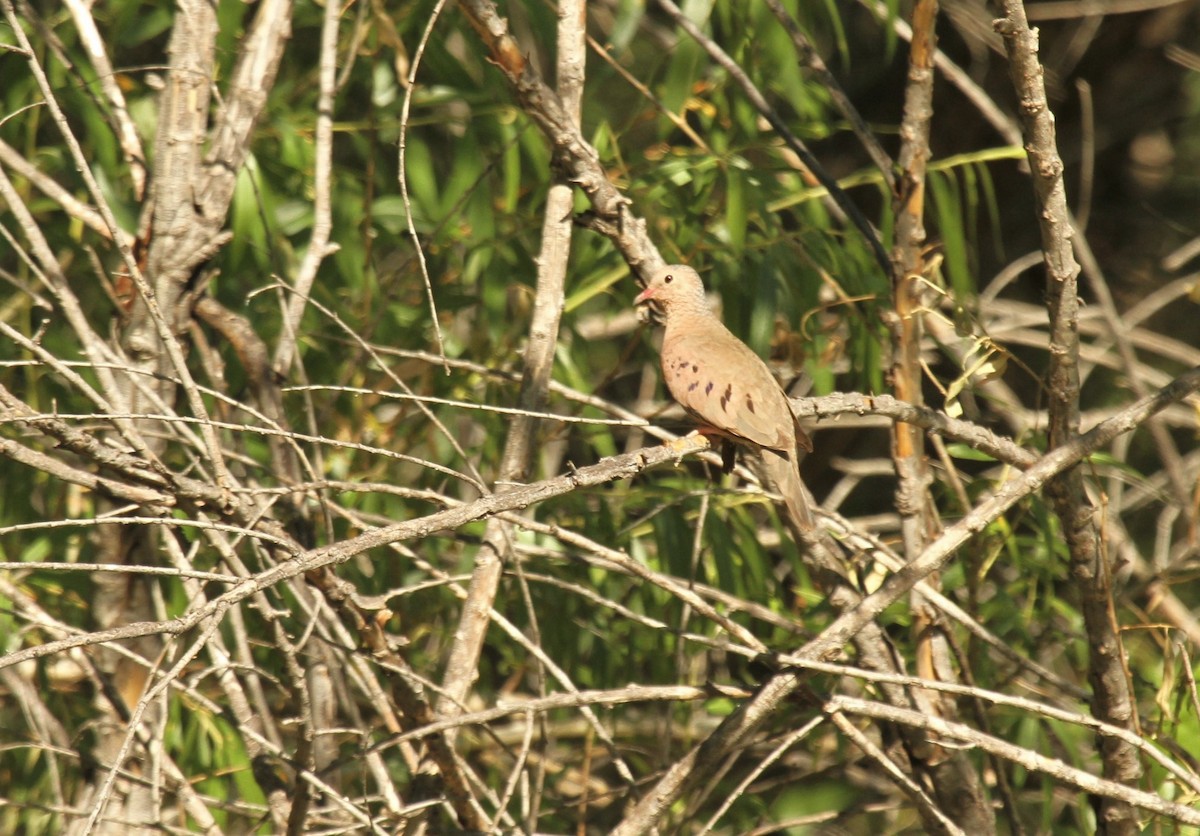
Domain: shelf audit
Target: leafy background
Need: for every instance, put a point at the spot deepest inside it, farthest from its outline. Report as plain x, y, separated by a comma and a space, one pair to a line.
718, 190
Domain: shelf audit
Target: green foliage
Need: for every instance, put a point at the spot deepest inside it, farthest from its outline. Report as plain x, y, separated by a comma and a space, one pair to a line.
725, 195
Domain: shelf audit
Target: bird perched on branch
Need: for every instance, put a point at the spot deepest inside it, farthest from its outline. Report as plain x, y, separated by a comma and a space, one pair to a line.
718, 380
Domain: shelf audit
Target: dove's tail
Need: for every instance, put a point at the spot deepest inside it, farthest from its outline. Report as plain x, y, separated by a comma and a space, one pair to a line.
783, 475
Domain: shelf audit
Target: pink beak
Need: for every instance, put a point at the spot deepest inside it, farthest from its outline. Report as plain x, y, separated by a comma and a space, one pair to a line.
644, 296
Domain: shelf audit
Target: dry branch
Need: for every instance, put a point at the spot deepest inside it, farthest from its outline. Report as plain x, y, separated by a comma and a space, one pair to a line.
1112, 699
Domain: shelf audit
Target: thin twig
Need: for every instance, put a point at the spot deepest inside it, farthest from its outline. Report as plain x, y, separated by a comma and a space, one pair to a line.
934, 818
405, 107
51, 188
318, 243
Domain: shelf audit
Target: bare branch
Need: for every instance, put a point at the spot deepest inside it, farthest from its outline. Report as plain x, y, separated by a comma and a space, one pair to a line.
583, 165
318, 243
1111, 700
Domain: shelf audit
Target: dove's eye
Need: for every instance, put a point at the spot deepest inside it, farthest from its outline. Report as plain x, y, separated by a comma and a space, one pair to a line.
667, 279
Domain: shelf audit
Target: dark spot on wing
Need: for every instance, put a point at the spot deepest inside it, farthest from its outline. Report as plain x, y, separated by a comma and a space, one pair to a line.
725, 397
695, 368
692, 386
708, 389
750, 403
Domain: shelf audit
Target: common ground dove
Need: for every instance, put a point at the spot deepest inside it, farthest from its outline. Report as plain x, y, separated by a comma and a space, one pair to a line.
726, 386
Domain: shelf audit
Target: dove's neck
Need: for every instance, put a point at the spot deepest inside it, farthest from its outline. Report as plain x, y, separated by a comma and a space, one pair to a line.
691, 314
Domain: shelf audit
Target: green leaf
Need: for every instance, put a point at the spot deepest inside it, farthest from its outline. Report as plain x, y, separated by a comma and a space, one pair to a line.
735, 209
962, 451
595, 286
948, 205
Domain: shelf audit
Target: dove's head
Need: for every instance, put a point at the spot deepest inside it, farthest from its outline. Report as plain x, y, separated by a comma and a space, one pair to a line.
675, 288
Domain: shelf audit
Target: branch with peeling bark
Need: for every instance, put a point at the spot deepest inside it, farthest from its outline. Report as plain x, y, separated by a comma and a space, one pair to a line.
1112, 699
579, 159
